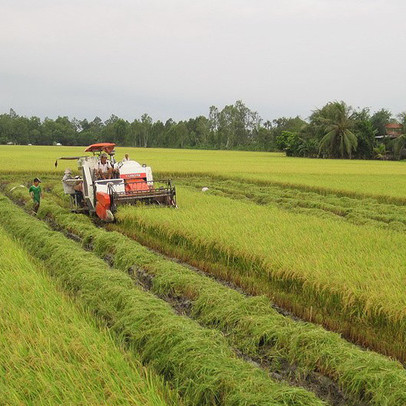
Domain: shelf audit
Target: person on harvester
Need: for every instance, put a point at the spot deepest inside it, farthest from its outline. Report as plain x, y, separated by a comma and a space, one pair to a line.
104, 168
36, 194
75, 190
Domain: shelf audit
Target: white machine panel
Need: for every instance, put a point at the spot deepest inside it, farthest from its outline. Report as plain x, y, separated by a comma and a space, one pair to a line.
130, 167
103, 185
133, 167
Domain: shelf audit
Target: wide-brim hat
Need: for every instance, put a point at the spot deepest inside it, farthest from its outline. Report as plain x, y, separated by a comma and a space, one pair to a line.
67, 170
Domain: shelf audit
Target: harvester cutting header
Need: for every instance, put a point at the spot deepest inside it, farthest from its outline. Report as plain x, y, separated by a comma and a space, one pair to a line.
105, 184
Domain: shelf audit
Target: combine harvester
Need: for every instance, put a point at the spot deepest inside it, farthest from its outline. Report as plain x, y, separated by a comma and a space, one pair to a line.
131, 183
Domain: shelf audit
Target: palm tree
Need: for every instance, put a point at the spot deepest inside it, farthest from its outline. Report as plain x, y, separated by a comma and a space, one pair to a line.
380, 152
336, 122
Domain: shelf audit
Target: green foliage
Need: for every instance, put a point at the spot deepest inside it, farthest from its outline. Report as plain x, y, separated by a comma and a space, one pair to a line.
235, 124
380, 152
365, 132
335, 122
379, 120
237, 128
295, 144
335, 129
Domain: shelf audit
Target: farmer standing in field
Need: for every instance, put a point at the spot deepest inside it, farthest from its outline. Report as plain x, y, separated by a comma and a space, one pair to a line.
36, 194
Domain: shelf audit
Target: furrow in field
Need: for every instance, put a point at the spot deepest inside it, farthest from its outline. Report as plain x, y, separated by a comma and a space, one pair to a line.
250, 324
198, 362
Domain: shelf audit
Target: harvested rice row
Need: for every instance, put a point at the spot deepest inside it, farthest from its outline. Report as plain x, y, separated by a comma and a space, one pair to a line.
198, 362
345, 277
250, 324
51, 351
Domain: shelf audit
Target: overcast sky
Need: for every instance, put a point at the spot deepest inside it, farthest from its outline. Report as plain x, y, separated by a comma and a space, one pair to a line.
175, 58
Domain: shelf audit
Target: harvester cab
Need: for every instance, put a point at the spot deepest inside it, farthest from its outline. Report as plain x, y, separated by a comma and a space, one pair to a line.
128, 183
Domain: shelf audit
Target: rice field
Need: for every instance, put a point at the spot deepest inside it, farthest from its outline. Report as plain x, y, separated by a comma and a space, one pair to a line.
280, 285
357, 177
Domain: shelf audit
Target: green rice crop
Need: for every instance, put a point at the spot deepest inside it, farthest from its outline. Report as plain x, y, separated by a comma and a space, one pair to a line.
356, 210
51, 352
250, 324
344, 276
198, 362
375, 178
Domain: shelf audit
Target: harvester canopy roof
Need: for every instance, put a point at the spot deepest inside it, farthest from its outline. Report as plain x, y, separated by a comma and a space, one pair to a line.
103, 146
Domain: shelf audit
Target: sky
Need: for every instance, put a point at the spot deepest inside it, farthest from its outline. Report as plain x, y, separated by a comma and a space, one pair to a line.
176, 58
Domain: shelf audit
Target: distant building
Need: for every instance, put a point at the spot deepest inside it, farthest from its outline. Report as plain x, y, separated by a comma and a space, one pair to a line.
392, 130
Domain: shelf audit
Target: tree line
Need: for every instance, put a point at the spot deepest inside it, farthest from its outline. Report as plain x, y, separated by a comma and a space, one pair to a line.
334, 131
